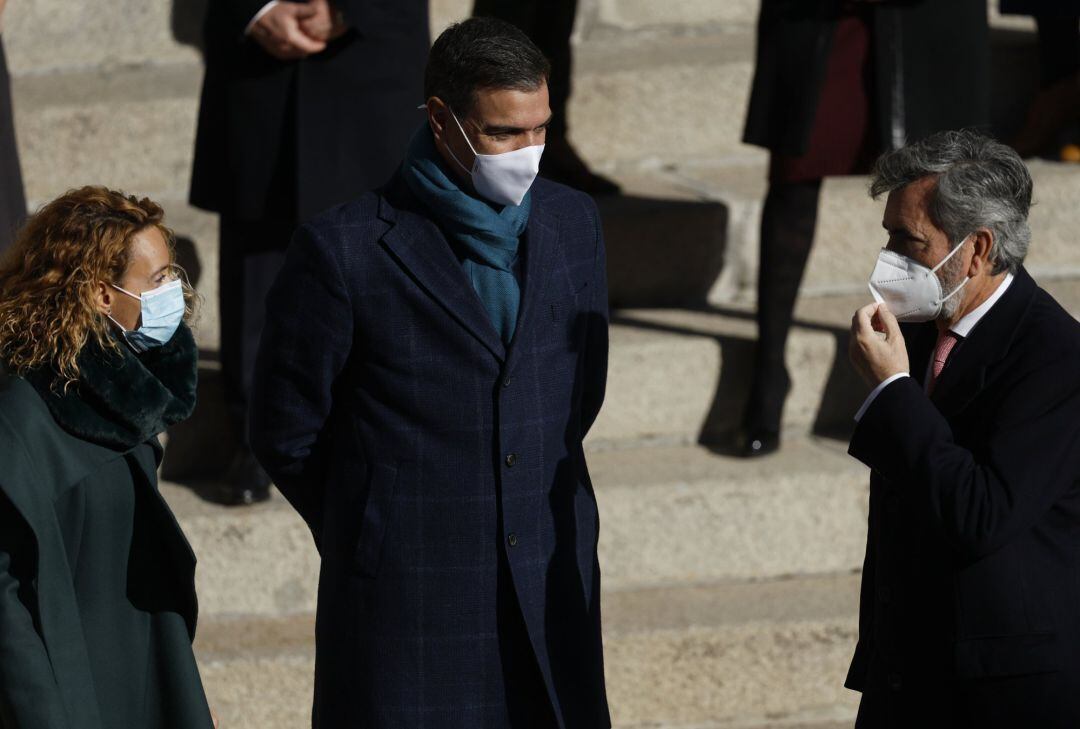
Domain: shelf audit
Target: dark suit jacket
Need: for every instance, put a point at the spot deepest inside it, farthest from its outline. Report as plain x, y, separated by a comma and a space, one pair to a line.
971, 587
931, 69
287, 139
422, 453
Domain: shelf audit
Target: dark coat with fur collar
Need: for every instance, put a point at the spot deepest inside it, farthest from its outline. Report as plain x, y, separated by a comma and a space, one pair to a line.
99, 438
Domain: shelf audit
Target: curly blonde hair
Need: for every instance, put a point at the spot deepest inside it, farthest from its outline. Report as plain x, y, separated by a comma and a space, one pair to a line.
49, 279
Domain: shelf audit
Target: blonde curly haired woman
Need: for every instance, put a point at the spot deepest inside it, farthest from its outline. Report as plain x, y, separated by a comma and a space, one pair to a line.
97, 598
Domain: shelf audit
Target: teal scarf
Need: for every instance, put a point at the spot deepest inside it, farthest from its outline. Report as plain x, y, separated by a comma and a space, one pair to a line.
485, 236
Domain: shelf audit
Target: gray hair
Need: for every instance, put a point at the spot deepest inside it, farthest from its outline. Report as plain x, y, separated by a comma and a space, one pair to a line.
981, 183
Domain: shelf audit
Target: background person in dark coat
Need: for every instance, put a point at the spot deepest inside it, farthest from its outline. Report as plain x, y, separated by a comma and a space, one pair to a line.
836, 83
97, 593
12, 197
305, 105
970, 613
431, 363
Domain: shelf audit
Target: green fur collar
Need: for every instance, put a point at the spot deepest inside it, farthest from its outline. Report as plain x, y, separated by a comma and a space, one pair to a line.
122, 400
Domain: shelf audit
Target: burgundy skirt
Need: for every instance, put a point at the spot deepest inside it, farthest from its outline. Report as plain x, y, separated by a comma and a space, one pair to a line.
843, 139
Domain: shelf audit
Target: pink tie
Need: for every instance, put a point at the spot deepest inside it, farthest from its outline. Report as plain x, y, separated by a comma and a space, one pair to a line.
945, 343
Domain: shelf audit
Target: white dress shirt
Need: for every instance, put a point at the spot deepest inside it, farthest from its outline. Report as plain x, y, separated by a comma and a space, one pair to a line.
961, 328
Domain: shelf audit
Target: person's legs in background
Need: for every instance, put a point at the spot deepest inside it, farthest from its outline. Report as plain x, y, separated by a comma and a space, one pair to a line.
12, 196
252, 253
787, 234
1057, 104
549, 24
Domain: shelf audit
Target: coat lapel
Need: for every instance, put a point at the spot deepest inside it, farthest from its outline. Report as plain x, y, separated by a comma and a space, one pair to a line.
541, 244
422, 249
965, 374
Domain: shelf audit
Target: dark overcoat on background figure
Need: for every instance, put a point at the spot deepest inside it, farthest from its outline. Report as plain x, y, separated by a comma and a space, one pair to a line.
343, 117
425, 455
931, 69
970, 608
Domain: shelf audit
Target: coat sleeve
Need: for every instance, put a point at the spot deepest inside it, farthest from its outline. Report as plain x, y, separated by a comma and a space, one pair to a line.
1030, 461
29, 696
596, 345
305, 344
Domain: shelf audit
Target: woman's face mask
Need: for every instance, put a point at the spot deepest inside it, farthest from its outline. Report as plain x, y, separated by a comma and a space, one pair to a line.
162, 310
912, 291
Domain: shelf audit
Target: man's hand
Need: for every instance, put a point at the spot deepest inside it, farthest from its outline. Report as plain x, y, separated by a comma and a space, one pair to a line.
326, 24
876, 347
280, 34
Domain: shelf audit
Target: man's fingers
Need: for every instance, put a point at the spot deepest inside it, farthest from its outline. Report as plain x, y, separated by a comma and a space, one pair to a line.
862, 323
892, 326
301, 11
297, 38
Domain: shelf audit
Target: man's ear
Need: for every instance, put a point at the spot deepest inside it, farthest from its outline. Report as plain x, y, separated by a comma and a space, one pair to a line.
103, 298
438, 117
982, 251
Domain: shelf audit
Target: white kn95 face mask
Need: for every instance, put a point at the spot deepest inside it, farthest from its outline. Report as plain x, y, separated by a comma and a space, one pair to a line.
912, 291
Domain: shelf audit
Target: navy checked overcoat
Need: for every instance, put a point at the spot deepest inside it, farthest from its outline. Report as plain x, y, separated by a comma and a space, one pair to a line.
441, 472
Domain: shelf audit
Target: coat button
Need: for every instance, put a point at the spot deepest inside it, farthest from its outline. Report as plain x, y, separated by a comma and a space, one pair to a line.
895, 682
506, 382
511, 460
512, 540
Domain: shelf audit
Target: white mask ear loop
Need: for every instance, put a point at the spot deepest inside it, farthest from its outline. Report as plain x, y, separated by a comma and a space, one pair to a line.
955, 291
471, 147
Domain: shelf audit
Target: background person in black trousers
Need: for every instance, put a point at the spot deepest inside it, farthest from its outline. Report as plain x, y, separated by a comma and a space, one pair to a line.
549, 24
1057, 104
836, 82
12, 197
304, 105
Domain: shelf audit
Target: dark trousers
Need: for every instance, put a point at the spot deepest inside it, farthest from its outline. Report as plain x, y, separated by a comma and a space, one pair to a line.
1059, 48
12, 196
1043, 700
787, 233
548, 23
251, 256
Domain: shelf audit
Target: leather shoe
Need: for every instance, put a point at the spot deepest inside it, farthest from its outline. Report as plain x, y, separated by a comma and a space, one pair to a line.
759, 443
245, 481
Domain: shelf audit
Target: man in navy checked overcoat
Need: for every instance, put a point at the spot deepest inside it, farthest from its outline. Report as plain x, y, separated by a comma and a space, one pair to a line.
432, 443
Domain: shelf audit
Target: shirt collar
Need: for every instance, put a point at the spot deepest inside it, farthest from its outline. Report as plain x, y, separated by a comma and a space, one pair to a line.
967, 323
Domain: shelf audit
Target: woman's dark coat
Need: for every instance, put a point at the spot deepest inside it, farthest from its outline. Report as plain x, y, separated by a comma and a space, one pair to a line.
931, 69
65, 461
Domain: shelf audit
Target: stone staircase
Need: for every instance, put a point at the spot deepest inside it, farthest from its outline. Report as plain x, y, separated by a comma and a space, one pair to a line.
730, 587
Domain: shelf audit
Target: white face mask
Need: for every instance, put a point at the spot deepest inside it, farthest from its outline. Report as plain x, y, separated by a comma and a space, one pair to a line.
912, 291
505, 178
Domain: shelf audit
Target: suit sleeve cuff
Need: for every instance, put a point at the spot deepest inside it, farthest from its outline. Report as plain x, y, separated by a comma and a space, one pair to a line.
877, 391
258, 16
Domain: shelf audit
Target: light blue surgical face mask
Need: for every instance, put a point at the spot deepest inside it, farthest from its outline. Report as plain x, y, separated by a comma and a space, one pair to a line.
162, 311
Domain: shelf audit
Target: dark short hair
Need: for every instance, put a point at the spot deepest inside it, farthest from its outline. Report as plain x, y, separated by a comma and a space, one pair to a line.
482, 53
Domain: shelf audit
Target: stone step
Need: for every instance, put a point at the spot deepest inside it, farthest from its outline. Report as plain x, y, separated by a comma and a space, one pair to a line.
846, 241
676, 376
669, 516
742, 654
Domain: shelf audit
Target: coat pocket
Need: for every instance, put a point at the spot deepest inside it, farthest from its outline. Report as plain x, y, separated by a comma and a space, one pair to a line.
1009, 655
375, 520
